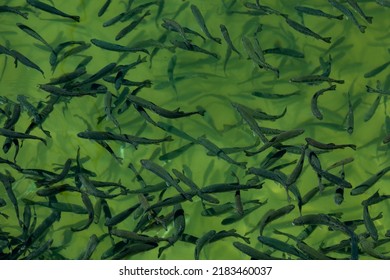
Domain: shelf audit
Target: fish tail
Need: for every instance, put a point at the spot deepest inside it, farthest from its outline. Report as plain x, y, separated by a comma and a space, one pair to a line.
327, 39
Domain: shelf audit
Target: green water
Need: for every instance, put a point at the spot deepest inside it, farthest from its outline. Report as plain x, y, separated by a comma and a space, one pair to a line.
203, 83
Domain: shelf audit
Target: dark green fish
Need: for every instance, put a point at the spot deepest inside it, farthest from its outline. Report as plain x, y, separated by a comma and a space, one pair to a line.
202, 241
348, 14
277, 140
328, 146
315, 79
24, 60
183, 178
227, 187
200, 20
314, 101
377, 70
19, 135
281, 246
68, 77
363, 187
316, 12
356, 7
161, 111
305, 30
273, 95
101, 12
237, 217
91, 245
50, 9
175, 153
216, 151
116, 48
193, 48
273, 215
131, 26
91, 214
54, 90
311, 252
374, 199
350, 116
14, 10
163, 174
33, 34
369, 224
226, 36
58, 206
284, 51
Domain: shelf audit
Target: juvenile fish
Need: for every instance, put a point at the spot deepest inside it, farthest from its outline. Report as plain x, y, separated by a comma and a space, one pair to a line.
281, 246
277, 140
215, 150
316, 12
131, 26
202, 241
315, 79
356, 7
33, 34
377, 70
116, 48
200, 20
305, 30
19, 135
160, 111
363, 187
314, 101
350, 116
50, 9
191, 47
226, 36
328, 146
163, 174
348, 14
15, 10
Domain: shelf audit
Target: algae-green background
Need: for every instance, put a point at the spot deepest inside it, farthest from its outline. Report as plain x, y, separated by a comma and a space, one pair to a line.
207, 85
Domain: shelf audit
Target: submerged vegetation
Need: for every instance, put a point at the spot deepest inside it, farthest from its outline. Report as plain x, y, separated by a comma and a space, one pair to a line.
177, 129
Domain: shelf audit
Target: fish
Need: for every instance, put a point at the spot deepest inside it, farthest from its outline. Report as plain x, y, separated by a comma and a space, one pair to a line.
33, 34
316, 12
273, 95
298, 168
204, 196
163, 174
91, 214
328, 146
24, 60
356, 7
171, 68
305, 30
201, 22
273, 215
54, 90
68, 77
256, 55
226, 36
324, 219
281, 246
193, 48
315, 79
175, 131
377, 70
314, 101
160, 111
93, 241
50, 9
228, 233
370, 113
348, 14
237, 217
19, 135
374, 199
172, 25
363, 187
175, 153
133, 236
277, 140
115, 47
350, 116
127, 29
369, 224
284, 51
101, 12
339, 195
216, 151
58, 206
202, 241
14, 10
311, 252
